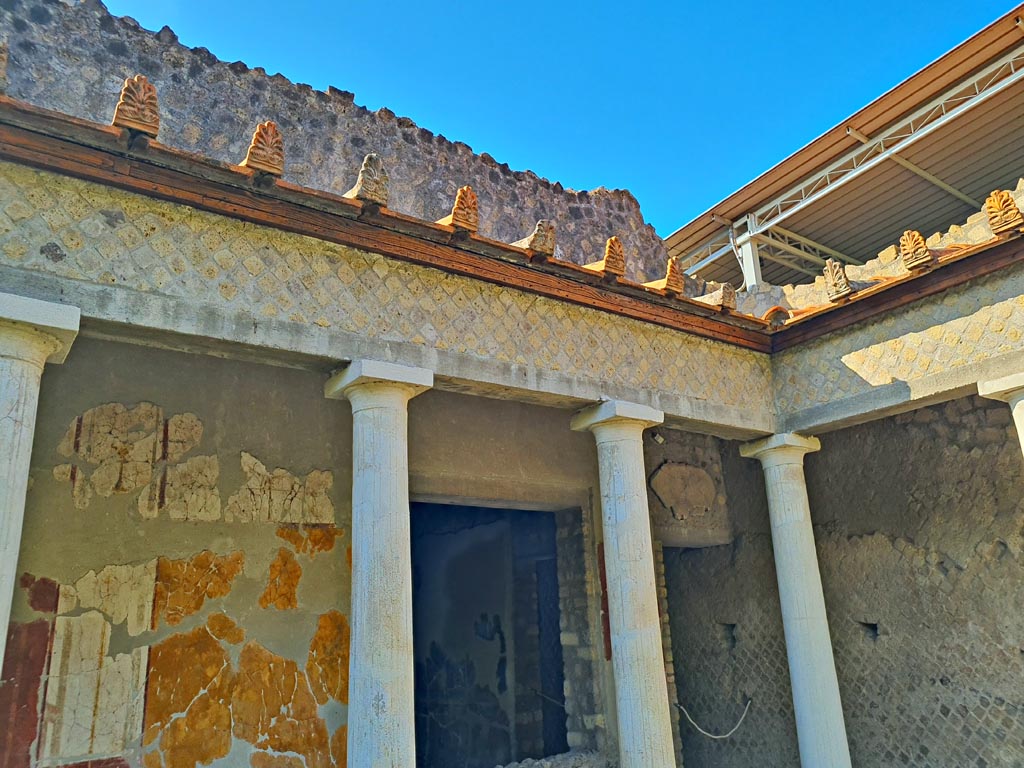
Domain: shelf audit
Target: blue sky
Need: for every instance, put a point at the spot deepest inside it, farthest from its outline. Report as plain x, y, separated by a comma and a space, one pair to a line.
679, 102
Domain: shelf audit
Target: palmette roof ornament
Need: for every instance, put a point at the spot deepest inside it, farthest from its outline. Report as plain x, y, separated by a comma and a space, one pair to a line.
266, 151
465, 213
723, 296
541, 241
913, 250
1003, 213
138, 108
614, 262
837, 284
674, 280
372, 184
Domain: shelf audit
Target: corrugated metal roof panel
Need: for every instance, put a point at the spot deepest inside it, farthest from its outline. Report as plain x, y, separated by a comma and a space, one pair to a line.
977, 152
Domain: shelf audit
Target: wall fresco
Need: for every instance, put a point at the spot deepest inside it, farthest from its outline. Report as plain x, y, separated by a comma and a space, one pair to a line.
150, 662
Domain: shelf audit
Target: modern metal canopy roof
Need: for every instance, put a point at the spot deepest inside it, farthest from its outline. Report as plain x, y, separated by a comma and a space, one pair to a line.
926, 153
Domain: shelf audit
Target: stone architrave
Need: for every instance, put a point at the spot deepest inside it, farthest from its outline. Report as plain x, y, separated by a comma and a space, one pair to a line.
381, 713
32, 333
820, 728
1009, 389
638, 661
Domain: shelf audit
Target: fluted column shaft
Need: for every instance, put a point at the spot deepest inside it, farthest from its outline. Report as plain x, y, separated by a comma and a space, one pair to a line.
638, 662
381, 714
821, 730
31, 333
1010, 390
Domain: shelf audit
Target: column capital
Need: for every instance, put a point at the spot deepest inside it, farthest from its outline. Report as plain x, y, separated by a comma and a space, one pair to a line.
36, 331
616, 412
784, 448
362, 373
1006, 389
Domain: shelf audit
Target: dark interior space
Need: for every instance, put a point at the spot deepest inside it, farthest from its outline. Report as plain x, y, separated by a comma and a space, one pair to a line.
489, 670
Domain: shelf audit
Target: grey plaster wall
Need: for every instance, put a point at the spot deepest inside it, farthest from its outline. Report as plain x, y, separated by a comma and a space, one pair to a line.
919, 522
73, 57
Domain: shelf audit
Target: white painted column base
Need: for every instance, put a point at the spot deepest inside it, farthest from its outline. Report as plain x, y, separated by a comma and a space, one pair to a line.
821, 730
381, 713
638, 661
1009, 389
32, 333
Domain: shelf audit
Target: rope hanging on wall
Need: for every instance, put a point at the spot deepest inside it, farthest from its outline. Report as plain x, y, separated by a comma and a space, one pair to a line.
711, 735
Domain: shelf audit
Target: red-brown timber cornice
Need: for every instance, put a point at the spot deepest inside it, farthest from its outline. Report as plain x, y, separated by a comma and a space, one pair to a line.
54, 142
58, 143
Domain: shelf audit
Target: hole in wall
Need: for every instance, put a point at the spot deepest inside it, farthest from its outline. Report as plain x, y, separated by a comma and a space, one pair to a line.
727, 633
870, 630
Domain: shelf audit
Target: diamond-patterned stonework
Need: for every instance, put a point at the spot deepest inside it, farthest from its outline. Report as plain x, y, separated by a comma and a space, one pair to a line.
85, 231
962, 326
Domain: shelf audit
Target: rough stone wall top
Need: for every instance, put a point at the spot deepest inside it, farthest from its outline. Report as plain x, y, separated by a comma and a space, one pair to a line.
73, 58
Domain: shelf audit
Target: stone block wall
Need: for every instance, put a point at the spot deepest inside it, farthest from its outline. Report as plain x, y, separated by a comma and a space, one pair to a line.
582, 641
919, 521
73, 57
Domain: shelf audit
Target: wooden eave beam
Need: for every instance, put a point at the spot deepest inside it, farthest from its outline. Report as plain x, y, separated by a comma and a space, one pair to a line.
70, 146
54, 142
969, 264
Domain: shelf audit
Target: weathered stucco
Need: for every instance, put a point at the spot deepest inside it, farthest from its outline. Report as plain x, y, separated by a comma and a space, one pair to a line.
222, 638
932, 349
918, 522
248, 284
211, 107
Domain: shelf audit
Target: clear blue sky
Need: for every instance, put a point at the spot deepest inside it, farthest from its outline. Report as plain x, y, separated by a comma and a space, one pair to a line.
680, 102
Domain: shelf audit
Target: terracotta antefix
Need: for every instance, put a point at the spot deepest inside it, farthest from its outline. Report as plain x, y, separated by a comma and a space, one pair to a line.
1003, 213
541, 241
465, 214
837, 284
137, 109
723, 296
614, 262
266, 151
372, 184
674, 281
913, 250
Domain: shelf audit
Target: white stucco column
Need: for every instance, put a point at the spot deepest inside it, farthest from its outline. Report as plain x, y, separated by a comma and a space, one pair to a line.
1009, 389
641, 693
381, 716
32, 333
820, 728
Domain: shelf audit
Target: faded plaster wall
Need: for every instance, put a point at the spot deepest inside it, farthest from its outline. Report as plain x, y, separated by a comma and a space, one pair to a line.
936, 347
919, 522
186, 585
73, 57
154, 265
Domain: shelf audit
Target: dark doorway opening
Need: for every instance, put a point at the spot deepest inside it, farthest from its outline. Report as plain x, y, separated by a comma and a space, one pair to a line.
489, 670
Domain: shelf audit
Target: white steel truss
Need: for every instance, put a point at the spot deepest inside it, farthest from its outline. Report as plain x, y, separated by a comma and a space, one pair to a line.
980, 87
778, 245
803, 247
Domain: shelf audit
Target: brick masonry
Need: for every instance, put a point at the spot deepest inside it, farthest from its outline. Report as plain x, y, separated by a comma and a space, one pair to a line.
73, 57
919, 521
